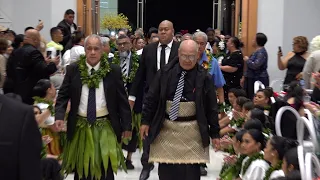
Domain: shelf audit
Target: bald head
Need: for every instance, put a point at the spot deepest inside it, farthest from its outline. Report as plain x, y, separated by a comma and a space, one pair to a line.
189, 45
188, 53
165, 32
32, 37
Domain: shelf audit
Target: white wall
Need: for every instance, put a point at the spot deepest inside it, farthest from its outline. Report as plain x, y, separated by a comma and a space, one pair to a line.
24, 13
281, 21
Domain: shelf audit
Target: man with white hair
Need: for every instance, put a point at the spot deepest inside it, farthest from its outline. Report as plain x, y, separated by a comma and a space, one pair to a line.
99, 117
106, 46
180, 115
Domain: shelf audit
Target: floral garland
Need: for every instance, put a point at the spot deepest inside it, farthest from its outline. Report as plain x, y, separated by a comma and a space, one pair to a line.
112, 45
38, 99
207, 64
250, 160
134, 67
223, 107
271, 169
93, 80
237, 122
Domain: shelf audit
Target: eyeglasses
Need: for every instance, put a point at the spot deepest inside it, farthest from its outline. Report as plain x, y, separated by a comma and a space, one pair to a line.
123, 44
190, 57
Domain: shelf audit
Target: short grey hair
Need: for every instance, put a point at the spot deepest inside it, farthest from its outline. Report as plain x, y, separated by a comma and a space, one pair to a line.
105, 41
200, 34
93, 36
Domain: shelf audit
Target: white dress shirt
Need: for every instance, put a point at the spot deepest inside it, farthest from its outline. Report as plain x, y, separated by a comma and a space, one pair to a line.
168, 50
256, 170
277, 174
101, 104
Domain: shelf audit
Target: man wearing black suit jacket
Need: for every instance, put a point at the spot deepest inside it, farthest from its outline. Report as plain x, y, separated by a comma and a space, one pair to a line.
20, 141
99, 104
154, 57
67, 27
27, 66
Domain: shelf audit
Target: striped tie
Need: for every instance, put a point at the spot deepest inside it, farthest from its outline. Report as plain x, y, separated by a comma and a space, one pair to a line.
173, 115
124, 69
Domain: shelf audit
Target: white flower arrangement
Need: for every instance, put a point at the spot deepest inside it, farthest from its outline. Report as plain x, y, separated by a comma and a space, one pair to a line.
315, 44
221, 45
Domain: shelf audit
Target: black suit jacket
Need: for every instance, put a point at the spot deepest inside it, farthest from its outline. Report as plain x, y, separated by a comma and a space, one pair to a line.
115, 95
66, 31
20, 141
148, 66
26, 66
153, 113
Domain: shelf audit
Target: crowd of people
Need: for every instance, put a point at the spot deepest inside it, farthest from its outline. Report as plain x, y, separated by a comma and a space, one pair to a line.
169, 94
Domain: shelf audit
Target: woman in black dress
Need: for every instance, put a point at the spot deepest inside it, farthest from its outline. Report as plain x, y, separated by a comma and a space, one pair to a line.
295, 60
232, 66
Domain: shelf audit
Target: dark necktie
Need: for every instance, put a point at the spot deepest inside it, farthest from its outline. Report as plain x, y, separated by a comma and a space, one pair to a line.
173, 115
91, 110
163, 55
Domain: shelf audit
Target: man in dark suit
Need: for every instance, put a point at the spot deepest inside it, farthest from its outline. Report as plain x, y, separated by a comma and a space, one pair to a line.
20, 141
27, 66
67, 27
93, 105
154, 57
128, 60
180, 115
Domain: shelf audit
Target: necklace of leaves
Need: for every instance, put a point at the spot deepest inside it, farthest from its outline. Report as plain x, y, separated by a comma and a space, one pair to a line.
134, 67
38, 100
237, 122
93, 80
250, 160
207, 64
271, 169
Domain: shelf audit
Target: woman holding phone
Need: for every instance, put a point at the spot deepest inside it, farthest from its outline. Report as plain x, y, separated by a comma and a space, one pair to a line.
294, 61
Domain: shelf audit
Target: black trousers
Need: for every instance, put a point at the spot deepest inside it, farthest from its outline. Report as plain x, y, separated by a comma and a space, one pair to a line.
108, 176
145, 154
249, 85
179, 172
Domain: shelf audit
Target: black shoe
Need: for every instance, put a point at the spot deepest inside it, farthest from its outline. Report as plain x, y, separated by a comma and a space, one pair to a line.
129, 165
145, 173
203, 171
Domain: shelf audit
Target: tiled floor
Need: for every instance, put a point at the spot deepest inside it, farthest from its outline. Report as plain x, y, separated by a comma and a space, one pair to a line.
213, 168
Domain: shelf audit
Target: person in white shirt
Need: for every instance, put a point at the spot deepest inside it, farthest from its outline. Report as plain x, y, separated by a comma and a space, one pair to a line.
99, 118
73, 55
254, 167
273, 153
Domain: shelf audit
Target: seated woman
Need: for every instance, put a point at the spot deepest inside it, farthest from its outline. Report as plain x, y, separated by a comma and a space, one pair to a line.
237, 118
44, 94
274, 152
253, 166
290, 165
233, 94
263, 99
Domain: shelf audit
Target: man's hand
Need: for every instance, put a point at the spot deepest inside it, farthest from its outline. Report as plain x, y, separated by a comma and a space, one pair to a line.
39, 26
144, 131
246, 58
59, 125
131, 104
126, 135
216, 143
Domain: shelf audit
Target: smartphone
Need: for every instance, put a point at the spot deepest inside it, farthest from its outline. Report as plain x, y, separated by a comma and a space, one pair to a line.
49, 54
280, 50
58, 53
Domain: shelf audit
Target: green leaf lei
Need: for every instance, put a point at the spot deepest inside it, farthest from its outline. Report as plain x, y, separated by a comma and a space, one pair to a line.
134, 67
207, 64
112, 45
250, 160
93, 80
237, 122
233, 169
219, 55
271, 169
38, 99
223, 107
